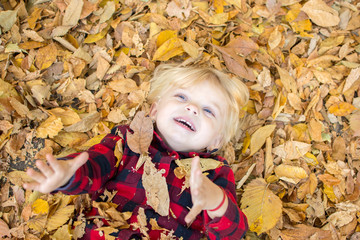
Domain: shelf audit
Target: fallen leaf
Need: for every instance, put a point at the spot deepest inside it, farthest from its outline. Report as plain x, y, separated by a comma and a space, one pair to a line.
157, 195
72, 13
341, 109
50, 127
259, 137
85, 124
168, 49
46, 56
140, 140
40, 206
261, 206
7, 19
320, 13
290, 173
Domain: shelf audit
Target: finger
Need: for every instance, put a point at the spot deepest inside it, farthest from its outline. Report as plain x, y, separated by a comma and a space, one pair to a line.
45, 169
54, 163
194, 211
36, 176
80, 160
31, 186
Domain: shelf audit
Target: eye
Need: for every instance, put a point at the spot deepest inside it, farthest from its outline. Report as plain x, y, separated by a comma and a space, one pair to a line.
181, 97
209, 111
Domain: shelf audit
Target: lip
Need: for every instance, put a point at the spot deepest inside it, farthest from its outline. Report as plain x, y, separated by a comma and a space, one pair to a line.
184, 122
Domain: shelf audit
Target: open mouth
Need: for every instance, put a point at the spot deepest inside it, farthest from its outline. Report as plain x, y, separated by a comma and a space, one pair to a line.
185, 124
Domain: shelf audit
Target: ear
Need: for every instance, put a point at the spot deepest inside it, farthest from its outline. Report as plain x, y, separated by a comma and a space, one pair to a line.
153, 111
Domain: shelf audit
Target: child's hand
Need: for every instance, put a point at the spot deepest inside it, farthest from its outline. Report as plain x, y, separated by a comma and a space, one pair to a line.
54, 175
205, 194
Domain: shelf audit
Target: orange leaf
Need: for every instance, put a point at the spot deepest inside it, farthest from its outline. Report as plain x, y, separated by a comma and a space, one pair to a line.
341, 109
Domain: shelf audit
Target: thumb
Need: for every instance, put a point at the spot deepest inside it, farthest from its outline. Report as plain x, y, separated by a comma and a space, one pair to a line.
194, 211
80, 160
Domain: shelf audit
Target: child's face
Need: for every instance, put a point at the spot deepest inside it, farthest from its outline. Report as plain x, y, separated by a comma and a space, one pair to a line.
193, 118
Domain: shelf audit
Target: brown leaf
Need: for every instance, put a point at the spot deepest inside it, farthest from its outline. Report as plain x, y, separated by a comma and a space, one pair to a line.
4, 229
155, 186
143, 128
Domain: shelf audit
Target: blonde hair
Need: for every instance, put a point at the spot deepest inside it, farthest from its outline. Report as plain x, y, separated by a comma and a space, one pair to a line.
168, 76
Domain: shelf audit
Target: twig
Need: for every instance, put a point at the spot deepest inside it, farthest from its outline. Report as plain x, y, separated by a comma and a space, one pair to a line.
243, 180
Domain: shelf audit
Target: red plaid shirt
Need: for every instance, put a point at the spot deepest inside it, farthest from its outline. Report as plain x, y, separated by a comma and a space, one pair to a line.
100, 173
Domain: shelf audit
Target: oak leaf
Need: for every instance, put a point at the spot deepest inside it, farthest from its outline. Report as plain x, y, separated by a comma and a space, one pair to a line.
143, 128
261, 206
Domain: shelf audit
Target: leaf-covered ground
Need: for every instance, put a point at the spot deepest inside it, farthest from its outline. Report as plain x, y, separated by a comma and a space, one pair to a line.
73, 69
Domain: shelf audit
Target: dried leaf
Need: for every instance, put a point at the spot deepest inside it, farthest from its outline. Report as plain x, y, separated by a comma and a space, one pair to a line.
86, 124
60, 217
72, 13
4, 229
46, 56
50, 127
140, 140
67, 116
287, 80
290, 173
259, 137
7, 19
261, 206
320, 13
157, 195
168, 49
308, 187
341, 109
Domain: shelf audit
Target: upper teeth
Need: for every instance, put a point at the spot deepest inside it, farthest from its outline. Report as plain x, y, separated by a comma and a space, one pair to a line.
187, 123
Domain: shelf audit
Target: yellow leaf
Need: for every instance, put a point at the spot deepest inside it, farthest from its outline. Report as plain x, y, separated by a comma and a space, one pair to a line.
91, 38
31, 45
301, 27
259, 137
219, 18
60, 217
35, 15
341, 109
50, 127
290, 173
46, 56
38, 223
311, 159
190, 49
246, 142
67, 116
168, 49
63, 233
95, 140
219, 6
261, 206
40, 206
329, 191
164, 36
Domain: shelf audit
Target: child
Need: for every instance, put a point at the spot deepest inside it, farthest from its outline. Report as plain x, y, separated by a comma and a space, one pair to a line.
196, 111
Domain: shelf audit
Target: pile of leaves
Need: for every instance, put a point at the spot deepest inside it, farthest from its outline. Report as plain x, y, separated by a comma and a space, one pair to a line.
73, 69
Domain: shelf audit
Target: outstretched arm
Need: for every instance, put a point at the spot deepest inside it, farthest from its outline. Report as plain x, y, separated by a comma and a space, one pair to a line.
55, 174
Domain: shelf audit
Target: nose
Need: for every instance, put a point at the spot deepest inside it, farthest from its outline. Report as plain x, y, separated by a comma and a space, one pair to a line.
192, 109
